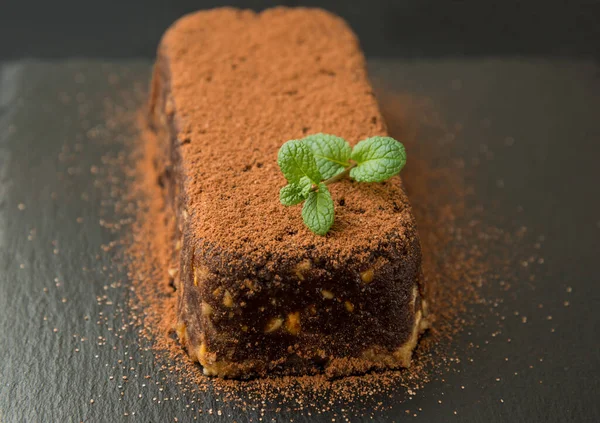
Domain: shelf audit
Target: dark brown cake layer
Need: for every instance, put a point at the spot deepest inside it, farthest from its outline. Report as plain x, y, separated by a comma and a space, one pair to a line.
258, 292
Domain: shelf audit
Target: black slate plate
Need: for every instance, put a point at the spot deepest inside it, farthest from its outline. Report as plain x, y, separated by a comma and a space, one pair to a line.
532, 127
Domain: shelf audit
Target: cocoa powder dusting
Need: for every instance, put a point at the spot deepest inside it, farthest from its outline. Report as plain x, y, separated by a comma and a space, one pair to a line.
224, 99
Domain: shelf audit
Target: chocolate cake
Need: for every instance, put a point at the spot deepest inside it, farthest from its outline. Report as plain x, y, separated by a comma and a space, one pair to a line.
258, 293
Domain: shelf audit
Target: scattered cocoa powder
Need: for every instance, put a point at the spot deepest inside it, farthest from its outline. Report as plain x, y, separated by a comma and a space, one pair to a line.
456, 259
455, 264
464, 253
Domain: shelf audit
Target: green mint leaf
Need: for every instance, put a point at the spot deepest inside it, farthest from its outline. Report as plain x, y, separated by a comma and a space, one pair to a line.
317, 211
331, 153
296, 161
295, 193
378, 159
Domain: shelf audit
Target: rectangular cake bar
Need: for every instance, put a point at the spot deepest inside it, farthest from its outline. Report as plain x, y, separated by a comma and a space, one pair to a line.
258, 292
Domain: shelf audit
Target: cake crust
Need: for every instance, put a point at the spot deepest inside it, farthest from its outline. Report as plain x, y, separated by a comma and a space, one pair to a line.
258, 292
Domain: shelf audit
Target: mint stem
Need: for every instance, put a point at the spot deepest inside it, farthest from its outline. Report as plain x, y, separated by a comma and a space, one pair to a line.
337, 177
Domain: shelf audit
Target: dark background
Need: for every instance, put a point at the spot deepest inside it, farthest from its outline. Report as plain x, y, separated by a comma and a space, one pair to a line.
391, 28
524, 70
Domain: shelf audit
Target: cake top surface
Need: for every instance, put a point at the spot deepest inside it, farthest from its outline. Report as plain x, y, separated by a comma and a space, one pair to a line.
243, 83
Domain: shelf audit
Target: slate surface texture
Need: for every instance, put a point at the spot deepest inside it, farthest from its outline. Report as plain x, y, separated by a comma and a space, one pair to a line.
523, 83
63, 301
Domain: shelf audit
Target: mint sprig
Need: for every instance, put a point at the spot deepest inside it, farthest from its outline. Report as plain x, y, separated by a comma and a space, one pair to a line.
318, 160
378, 159
317, 212
296, 161
332, 153
295, 193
